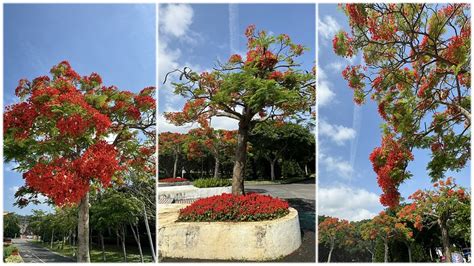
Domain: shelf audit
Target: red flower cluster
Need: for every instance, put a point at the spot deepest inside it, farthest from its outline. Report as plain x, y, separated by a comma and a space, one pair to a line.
227, 207
66, 182
357, 14
387, 159
58, 181
73, 125
263, 59
20, 118
173, 180
98, 162
235, 58
342, 44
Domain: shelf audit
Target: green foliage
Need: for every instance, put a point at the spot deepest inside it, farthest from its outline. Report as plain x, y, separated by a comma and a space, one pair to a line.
8, 250
212, 182
11, 225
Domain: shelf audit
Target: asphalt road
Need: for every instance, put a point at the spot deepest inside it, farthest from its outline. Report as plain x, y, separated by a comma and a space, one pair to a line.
31, 252
300, 196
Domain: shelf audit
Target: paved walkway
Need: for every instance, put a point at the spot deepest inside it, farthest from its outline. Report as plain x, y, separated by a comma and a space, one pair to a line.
31, 252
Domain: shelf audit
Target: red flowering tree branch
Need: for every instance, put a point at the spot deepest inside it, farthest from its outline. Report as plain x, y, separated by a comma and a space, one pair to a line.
417, 69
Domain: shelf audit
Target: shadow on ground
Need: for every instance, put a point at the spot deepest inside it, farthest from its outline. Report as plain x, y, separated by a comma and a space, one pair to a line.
307, 216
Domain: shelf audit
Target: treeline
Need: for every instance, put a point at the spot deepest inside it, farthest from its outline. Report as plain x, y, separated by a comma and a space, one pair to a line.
436, 221
276, 150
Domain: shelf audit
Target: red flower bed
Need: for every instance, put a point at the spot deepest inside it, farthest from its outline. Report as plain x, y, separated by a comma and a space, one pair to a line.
173, 180
227, 207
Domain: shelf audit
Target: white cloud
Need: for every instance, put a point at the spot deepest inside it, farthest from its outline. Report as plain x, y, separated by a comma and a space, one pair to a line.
165, 126
328, 27
336, 66
14, 189
353, 204
324, 92
337, 166
224, 123
176, 19
337, 133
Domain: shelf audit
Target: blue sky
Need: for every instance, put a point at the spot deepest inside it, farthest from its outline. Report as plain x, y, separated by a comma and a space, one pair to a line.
348, 134
115, 40
199, 34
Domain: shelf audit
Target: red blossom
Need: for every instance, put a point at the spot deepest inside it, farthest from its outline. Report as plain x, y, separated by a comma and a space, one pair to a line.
228, 207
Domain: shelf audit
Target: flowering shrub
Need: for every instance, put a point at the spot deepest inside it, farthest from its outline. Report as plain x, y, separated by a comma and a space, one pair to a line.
212, 182
227, 207
173, 180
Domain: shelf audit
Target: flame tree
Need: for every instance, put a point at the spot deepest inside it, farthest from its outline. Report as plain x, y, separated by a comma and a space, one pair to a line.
437, 207
57, 134
333, 231
417, 69
267, 84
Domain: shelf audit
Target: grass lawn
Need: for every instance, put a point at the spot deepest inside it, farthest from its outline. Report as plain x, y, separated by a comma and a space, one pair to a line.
112, 252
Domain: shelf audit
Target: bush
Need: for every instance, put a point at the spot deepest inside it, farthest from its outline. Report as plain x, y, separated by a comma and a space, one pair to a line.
212, 182
14, 259
7, 251
230, 208
173, 180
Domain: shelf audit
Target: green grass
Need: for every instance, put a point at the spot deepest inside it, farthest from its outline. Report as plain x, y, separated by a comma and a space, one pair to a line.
8, 250
212, 182
112, 252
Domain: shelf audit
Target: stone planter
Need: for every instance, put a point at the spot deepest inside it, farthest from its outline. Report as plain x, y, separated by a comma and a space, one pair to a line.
246, 241
190, 192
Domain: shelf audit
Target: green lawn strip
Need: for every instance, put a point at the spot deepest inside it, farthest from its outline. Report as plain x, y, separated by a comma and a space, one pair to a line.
112, 253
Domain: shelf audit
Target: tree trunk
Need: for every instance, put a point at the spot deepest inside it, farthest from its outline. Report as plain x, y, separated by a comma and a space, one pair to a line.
216, 167
445, 239
101, 236
136, 235
240, 159
409, 252
83, 230
175, 166
272, 169
52, 238
306, 169
330, 251
148, 232
431, 255
385, 256
124, 249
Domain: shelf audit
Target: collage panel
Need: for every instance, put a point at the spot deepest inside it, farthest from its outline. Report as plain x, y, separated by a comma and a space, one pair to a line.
236, 125
394, 157
79, 133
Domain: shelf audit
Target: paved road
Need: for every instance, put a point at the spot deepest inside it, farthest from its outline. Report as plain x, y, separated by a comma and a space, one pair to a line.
287, 191
31, 252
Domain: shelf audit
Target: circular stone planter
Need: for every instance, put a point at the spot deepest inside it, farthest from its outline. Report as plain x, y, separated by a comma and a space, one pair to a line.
247, 241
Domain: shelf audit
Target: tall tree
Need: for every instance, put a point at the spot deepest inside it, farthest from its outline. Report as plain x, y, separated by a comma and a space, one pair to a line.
58, 132
249, 90
11, 225
417, 69
437, 207
385, 227
275, 140
219, 143
333, 231
172, 144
